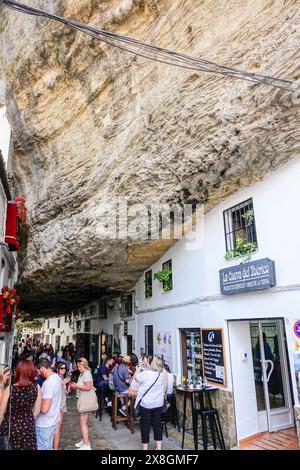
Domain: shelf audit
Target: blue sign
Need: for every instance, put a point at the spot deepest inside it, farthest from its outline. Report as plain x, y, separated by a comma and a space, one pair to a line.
248, 277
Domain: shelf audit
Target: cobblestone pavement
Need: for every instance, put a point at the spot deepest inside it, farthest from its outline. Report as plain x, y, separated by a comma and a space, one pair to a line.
104, 437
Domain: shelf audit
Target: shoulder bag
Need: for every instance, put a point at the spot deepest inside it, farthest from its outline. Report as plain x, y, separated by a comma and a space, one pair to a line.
137, 408
87, 401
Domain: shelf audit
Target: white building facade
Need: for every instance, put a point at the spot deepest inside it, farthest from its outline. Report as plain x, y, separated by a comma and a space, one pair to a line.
58, 332
107, 325
255, 363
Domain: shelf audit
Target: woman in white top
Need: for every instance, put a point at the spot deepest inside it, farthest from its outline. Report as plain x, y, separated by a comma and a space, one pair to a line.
151, 402
84, 384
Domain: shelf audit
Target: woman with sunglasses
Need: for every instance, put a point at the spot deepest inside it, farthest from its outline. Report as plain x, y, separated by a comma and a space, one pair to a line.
61, 370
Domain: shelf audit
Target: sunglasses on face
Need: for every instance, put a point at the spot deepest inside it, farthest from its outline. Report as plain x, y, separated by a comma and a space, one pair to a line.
62, 368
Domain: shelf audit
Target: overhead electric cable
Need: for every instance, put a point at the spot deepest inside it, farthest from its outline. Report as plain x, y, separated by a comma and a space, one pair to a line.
156, 53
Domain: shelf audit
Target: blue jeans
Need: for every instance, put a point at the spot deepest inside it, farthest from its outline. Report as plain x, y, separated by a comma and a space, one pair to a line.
102, 384
44, 437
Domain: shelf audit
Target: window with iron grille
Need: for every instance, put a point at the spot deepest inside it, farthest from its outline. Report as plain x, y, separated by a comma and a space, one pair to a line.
168, 285
58, 324
126, 305
148, 284
240, 231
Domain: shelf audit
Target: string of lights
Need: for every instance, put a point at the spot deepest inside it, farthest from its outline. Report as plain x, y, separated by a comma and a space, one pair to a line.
156, 53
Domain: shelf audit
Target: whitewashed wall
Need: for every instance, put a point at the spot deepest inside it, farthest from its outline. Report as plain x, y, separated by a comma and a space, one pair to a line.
195, 300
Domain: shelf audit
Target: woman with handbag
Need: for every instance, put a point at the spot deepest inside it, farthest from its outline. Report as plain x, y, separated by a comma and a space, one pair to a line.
150, 400
20, 405
87, 400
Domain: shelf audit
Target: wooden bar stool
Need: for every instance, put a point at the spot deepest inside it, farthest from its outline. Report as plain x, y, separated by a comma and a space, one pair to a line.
132, 419
115, 418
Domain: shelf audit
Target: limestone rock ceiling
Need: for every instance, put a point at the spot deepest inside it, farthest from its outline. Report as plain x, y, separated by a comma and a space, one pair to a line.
92, 125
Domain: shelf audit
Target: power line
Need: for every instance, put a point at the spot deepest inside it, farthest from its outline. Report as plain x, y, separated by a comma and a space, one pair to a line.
155, 53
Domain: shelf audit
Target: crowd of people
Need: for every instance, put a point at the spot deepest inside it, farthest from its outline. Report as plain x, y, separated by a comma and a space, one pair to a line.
32, 408
147, 380
33, 394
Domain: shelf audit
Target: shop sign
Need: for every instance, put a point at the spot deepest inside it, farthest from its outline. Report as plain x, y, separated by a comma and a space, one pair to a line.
125, 328
213, 361
248, 277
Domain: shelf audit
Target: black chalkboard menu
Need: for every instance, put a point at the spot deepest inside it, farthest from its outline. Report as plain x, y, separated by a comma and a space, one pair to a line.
213, 356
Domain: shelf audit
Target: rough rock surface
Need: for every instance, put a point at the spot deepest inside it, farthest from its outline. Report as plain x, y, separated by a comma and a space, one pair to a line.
91, 125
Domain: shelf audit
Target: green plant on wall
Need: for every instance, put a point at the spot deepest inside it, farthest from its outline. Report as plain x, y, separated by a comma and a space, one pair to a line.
148, 291
242, 248
249, 217
165, 276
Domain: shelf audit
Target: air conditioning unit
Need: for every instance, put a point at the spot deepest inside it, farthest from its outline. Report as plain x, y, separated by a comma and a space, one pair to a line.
52, 331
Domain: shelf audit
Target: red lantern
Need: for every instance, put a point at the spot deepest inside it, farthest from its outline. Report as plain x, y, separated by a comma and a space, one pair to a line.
11, 233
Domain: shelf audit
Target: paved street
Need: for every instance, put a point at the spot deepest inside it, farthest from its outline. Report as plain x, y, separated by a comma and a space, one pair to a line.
103, 436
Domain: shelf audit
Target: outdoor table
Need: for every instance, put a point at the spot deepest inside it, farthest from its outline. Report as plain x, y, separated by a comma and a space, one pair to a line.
191, 392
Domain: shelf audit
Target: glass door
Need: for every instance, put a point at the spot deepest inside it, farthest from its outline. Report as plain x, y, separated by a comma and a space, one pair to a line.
271, 374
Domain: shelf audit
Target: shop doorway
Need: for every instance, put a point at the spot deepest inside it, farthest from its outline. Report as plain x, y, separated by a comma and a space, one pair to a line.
260, 375
270, 368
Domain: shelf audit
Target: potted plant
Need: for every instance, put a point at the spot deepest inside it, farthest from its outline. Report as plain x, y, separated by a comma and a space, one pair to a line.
242, 248
165, 276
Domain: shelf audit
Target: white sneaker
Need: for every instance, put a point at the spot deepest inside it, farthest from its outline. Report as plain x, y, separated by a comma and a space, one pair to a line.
85, 447
79, 444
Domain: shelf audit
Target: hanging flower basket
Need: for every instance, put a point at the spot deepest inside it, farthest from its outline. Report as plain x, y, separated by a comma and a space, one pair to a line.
9, 308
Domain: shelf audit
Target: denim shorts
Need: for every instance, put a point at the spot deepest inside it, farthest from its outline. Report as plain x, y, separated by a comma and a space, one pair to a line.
44, 437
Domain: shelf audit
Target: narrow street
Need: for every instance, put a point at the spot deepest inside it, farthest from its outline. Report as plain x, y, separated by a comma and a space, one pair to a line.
149, 181
103, 436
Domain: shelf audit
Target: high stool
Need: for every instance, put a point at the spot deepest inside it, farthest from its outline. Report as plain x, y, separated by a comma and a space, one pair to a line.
115, 418
100, 395
172, 411
132, 419
212, 416
164, 420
